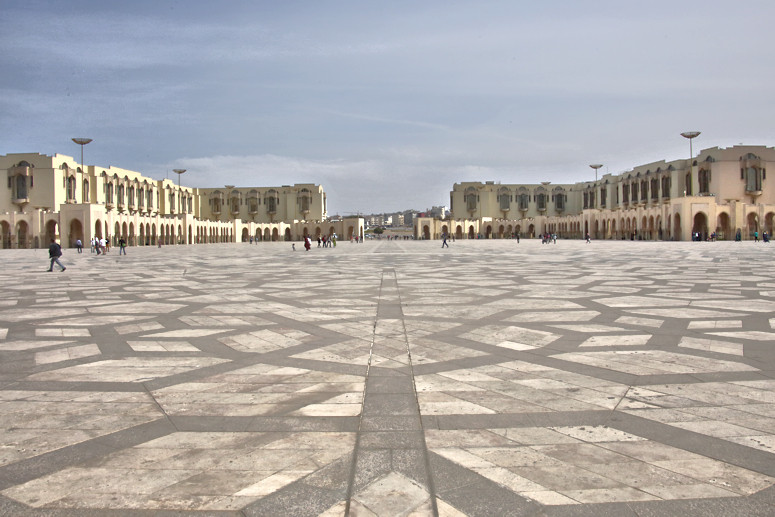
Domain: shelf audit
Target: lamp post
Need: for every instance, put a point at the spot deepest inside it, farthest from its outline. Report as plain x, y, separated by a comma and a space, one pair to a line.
180, 196
178, 172
596, 166
690, 135
82, 142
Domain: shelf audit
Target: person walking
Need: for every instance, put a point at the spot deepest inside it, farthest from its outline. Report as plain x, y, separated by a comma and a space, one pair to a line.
444, 240
54, 252
121, 246
79, 245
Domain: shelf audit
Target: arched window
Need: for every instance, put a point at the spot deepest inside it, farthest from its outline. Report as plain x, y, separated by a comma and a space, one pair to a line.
304, 200
21, 187
71, 189
703, 178
504, 199
541, 200
253, 202
523, 200
271, 201
559, 199
471, 199
85, 191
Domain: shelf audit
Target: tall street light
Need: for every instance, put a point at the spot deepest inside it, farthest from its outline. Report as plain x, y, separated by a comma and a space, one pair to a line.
82, 142
178, 172
180, 197
690, 135
596, 166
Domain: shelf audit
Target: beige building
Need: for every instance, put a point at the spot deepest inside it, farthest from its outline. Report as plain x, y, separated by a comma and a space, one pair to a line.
49, 197
722, 191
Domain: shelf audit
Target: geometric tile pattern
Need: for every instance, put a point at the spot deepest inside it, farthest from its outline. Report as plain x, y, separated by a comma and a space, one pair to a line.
390, 378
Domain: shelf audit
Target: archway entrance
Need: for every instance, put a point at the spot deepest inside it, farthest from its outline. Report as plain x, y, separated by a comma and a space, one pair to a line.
51, 233
724, 230
21, 235
700, 226
5, 228
677, 227
76, 231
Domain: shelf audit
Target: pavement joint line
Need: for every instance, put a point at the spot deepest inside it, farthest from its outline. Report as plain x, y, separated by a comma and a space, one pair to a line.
356, 447
695, 415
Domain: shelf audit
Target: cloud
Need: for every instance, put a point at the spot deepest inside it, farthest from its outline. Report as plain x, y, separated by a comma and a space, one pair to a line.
385, 104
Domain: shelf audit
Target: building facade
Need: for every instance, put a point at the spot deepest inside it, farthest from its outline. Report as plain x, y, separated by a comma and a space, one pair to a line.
49, 197
722, 191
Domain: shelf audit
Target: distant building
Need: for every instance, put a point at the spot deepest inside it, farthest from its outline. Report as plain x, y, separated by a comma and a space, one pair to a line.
52, 197
439, 212
722, 191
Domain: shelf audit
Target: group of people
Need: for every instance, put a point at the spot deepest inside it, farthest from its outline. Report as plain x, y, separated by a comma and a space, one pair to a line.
326, 241
100, 246
546, 238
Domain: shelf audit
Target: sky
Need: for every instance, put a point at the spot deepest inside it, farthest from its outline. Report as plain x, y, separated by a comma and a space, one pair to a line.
385, 104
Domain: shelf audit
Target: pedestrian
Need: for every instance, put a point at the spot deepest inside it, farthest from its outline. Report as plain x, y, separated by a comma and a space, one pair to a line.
756, 236
307, 243
54, 252
588, 239
444, 240
79, 245
121, 246
104, 245
293, 246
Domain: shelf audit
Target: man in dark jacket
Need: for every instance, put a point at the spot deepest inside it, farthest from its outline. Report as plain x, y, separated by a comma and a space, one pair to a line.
54, 252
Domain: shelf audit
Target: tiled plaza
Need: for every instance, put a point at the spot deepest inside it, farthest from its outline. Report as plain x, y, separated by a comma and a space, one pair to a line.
390, 378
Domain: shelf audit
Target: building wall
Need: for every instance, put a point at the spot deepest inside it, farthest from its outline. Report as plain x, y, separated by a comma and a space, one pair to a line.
61, 201
299, 202
724, 202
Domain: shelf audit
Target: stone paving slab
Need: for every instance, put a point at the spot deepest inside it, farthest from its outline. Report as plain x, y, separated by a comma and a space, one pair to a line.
390, 378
